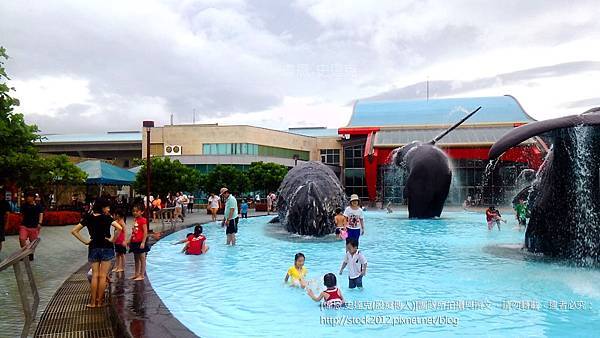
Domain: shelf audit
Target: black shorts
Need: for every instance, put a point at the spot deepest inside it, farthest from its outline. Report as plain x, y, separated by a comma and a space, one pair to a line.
355, 282
135, 248
232, 227
120, 249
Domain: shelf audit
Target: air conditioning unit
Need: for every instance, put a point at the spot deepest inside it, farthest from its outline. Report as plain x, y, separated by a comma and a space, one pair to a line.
171, 150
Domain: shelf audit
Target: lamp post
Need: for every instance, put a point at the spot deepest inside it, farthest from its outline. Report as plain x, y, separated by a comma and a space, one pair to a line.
148, 125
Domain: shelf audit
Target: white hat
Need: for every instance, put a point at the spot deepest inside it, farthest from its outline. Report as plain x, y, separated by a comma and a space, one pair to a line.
354, 197
224, 190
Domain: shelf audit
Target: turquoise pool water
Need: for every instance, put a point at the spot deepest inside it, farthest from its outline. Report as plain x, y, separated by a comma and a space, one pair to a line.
430, 278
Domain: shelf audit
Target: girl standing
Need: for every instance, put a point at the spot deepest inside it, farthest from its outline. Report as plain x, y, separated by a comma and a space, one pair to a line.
101, 250
120, 242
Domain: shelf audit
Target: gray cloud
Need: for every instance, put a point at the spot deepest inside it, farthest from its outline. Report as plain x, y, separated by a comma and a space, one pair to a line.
449, 88
147, 59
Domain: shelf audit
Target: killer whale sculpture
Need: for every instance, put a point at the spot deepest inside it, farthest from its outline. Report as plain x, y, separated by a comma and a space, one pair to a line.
564, 199
428, 174
307, 199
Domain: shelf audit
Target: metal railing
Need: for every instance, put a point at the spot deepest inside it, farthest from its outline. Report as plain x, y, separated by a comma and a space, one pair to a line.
15, 260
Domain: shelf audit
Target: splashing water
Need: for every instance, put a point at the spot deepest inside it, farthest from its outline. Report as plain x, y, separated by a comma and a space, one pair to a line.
586, 217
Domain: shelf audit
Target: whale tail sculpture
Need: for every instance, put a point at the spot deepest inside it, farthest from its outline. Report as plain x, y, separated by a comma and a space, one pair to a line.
308, 197
428, 174
564, 200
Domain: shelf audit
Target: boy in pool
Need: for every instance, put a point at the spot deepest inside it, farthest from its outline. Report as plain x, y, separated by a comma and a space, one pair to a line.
332, 296
340, 224
297, 272
492, 215
356, 262
521, 213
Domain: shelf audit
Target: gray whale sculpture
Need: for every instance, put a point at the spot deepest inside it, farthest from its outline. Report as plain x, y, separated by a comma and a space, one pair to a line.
428, 174
307, 199
564, 199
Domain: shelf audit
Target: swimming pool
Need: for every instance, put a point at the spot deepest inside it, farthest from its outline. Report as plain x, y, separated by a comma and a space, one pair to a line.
425, 278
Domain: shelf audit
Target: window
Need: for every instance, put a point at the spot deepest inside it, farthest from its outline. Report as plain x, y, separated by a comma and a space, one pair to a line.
253, 150
330, 156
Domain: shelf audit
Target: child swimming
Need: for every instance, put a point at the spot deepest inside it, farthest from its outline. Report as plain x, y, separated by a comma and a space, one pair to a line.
297, 272
340, 224
332, 296
195, 243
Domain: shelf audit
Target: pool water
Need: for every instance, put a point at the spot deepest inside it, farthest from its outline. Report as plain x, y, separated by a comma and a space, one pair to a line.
446, 272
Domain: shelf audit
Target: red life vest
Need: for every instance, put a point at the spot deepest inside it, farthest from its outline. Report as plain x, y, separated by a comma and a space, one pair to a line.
334, 297
195, 245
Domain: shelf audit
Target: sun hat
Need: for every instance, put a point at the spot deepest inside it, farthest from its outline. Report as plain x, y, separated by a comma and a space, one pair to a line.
354, 197
223, 190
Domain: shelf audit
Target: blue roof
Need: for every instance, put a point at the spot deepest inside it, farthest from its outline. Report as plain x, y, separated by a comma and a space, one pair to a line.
314, 132
105, 137
100, 172
437, 111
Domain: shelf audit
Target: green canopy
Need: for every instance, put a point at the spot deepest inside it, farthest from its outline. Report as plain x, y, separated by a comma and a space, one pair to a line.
100, 172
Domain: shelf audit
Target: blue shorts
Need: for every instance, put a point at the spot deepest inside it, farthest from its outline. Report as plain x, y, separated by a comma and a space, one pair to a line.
100, 254
355, 282
354, 233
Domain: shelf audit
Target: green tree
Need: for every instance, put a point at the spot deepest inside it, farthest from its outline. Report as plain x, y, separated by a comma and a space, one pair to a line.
19, 159
18, 154
227, 176
266, 177
168, 176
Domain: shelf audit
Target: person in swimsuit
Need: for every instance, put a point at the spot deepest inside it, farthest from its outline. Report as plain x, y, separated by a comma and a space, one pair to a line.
341, 231
332, 296
297, 272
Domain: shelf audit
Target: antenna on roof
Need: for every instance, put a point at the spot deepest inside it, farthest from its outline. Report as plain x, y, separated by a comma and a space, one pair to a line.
171, 118
439, 137
194, 119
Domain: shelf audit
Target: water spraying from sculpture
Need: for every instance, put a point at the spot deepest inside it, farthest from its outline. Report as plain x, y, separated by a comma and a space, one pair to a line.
428, 174
564, 199
307, 199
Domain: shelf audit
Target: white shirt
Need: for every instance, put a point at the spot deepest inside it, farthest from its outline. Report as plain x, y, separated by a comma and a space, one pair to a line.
214, 202
257, 198
354, 217
354, 263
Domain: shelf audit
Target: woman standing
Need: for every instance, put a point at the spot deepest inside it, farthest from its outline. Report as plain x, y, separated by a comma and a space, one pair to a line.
101, 249
214, 203
354, 218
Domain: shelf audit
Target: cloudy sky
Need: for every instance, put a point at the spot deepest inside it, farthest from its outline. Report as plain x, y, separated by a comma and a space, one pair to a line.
94, 66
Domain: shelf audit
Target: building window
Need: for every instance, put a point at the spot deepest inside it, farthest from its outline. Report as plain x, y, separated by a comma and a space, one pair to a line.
253, 150
354, 171
330, 156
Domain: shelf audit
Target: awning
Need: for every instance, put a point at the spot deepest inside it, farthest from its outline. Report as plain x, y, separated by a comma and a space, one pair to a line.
100, 172
462, 136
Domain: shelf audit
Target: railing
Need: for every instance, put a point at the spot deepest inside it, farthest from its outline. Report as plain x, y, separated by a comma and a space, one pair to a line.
14, 260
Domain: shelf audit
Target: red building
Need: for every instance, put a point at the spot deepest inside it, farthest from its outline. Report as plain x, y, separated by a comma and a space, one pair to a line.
377, 127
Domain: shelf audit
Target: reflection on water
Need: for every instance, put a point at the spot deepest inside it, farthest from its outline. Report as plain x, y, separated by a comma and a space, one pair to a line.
58, 256
239, 291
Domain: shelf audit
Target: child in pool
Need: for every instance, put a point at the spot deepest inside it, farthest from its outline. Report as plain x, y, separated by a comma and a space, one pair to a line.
297, 272
195, 243
244, 209
332, 296
340, 224
120, 242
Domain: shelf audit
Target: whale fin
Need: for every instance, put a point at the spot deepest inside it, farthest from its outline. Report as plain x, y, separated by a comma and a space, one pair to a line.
524, 132
439, 137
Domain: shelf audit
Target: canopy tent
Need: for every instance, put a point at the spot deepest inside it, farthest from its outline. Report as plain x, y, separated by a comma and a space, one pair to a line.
102, 173
135, 170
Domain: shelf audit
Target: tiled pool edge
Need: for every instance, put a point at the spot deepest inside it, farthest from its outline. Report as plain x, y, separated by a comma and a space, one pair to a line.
136, 311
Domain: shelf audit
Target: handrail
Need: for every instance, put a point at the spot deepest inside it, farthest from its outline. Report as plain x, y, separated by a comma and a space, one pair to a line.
22, 256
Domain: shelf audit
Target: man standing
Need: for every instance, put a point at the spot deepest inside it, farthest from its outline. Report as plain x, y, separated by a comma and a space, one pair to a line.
191, 203
231, 216
4, 211
269, 203
31, 225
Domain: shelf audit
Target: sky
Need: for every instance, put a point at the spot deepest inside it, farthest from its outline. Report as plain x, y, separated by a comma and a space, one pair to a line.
96, 66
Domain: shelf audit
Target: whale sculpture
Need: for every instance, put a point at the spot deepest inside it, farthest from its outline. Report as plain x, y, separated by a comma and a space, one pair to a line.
428, 174
307, 199
564, 199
